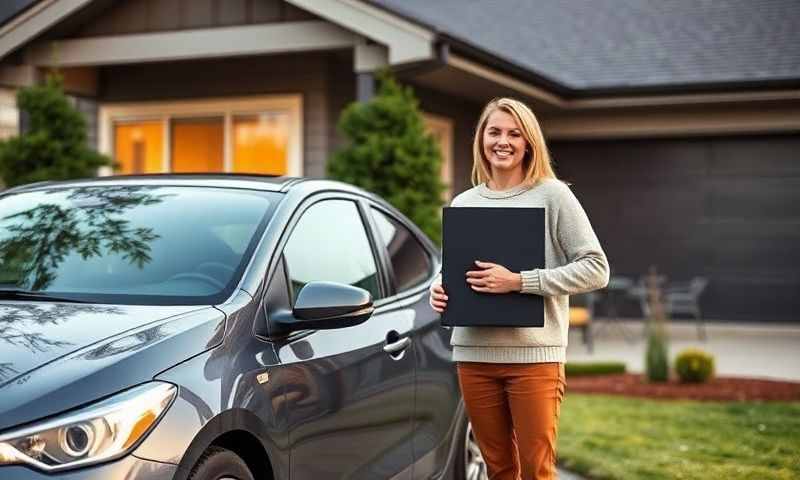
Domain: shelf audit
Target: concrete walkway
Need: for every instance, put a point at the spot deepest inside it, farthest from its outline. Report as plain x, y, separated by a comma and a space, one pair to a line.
749, 350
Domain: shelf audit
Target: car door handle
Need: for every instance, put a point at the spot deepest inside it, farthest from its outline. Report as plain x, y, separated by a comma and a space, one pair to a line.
397, 346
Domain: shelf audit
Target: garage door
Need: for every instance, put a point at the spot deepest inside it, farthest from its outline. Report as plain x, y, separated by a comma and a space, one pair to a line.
724, 208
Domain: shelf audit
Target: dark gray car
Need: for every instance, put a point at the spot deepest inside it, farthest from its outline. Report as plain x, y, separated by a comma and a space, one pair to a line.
206, 327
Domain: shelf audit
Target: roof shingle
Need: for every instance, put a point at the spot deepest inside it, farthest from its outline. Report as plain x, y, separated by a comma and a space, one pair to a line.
618, 44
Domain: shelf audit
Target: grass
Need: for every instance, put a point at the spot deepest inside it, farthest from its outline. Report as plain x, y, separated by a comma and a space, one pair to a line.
607, 437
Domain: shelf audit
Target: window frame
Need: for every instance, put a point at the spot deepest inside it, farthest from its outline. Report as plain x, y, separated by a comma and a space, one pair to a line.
433, 255
228, 108
298, 213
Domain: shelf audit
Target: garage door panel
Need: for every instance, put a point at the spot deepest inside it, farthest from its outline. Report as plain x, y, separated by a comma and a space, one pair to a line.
633, 159
675, 256
755, 198
748, 156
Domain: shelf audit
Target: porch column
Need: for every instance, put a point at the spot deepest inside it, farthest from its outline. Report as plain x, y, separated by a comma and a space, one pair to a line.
365, 86
368, 58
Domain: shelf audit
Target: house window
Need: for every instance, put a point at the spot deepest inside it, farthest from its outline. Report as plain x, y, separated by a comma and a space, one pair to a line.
198, 145
243, 135
442, 130
260, 143
139, 147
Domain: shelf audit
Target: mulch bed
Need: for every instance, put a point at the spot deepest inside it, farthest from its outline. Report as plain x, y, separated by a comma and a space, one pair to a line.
718, 389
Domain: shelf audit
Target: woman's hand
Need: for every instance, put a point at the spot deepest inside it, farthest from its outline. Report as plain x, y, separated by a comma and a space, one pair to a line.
438, 298
493, 278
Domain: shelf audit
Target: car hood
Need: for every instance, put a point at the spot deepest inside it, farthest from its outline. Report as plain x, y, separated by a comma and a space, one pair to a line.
56, 356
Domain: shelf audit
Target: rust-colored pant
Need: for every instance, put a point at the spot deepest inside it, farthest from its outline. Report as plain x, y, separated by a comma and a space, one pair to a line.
514, 409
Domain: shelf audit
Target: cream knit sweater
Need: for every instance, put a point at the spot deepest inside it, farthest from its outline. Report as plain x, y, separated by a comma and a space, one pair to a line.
574, 263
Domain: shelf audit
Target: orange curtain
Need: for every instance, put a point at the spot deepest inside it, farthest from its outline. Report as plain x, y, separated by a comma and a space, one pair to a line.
260, 143
197, 145
139, 147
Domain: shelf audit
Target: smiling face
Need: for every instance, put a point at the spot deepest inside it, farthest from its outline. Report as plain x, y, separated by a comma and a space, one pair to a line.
503, 143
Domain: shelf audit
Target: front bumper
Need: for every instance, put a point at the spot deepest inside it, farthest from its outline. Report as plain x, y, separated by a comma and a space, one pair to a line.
128, 468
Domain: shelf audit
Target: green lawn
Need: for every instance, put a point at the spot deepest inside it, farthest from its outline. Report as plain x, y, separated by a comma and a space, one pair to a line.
606, 437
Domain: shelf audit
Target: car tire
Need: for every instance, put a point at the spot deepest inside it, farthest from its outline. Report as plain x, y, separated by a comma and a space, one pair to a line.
469, 461
219, 463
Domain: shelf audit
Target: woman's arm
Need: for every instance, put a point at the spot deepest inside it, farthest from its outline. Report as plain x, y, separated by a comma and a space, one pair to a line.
587, 269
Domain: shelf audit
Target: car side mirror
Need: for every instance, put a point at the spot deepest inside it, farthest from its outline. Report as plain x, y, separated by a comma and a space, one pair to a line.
325, 306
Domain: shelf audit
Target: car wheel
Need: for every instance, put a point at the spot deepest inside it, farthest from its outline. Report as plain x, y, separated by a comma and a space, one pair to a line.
219, 463
470, 464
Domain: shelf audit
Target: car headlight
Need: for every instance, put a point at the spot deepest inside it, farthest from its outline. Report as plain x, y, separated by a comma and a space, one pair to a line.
102, 431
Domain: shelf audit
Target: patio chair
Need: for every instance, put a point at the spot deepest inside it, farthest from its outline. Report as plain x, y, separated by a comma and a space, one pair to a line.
678, 297
684, 298
581, 313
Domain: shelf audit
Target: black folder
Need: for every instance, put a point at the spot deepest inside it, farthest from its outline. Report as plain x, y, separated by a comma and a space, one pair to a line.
512, 237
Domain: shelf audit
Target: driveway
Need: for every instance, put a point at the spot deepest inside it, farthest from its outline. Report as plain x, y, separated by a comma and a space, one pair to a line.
739, 349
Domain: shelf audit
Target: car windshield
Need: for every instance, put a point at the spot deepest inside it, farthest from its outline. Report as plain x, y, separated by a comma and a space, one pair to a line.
160, 245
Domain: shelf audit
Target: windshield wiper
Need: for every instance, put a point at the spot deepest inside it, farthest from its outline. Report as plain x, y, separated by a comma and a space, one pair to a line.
20, 294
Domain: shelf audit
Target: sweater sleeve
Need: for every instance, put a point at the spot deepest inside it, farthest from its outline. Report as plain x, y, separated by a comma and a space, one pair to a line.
587, 267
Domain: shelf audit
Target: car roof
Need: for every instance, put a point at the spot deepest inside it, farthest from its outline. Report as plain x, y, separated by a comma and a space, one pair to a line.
269, 183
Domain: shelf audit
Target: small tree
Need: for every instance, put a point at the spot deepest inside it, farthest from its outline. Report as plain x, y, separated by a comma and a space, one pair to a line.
55, 145
390, 154
656, 355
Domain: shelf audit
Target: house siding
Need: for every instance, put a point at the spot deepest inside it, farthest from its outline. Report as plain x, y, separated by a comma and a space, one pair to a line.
282, 74
464, 115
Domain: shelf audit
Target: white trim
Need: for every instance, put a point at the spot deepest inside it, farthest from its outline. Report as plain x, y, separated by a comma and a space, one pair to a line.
407, 42
292, 104
9, 114
34, 21
445, 126
369, 58
227, 148
166, 154
199, 43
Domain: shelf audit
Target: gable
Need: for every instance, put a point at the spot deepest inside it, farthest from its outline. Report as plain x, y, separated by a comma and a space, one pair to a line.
143, 16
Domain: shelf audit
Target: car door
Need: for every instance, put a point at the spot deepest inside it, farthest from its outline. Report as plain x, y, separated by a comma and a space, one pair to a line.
349, 392
412, 263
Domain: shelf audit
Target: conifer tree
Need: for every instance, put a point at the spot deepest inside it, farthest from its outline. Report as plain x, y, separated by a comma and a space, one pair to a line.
390, 154
55, 145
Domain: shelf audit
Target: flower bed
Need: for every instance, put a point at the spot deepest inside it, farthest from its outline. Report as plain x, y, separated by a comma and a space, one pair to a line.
718, 389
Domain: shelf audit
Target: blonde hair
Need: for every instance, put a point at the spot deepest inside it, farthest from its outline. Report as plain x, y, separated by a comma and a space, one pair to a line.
536, 162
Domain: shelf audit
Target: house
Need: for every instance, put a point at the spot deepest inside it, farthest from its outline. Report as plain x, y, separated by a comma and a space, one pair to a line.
676, 121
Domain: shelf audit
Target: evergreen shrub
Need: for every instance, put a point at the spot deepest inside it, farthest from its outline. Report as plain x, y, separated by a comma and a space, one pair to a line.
389, 153
694, 366
656, 359
54, 147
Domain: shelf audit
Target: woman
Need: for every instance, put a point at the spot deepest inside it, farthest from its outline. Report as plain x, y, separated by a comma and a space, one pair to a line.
512, 379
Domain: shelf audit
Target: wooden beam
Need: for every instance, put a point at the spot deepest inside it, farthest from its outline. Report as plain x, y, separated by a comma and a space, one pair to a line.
191, 44
406, 41
34, 21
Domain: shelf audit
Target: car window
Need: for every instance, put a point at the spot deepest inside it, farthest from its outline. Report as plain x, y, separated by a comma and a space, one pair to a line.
329, 243
130, 244
410, 262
